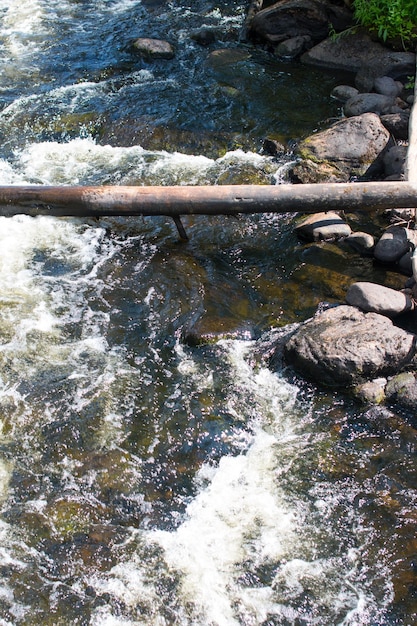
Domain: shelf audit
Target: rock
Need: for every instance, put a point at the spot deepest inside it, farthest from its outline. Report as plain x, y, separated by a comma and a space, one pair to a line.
272, 147
290, 18
404, 215
344, 346
394, 161
292, 48
153, 48
402, 389
405, 265
368, 103
204, 36
352, 144
227, 56
361, 242
323, 227
344, 92
357, 52
389, 63
397, 124
308, 171
387, 86
343, 53
371, 297
371, 392
393, 244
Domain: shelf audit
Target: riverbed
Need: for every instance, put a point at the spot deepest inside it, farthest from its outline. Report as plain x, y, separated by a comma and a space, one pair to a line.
144, 480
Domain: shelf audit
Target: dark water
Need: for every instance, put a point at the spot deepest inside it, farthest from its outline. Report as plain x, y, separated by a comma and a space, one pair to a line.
144, 480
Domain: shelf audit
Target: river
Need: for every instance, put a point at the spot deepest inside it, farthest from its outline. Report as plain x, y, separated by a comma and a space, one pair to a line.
145, 480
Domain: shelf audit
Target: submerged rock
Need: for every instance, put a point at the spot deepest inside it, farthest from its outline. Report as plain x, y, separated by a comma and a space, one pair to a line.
344, 346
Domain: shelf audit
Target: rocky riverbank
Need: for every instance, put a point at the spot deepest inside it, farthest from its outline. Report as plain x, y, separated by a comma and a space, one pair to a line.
366, 344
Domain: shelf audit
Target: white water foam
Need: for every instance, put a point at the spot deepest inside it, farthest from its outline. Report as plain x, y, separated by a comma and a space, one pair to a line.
82, 161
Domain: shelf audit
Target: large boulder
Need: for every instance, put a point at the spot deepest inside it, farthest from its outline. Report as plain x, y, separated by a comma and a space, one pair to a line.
344, 346
357, 52
350, 146
291, 18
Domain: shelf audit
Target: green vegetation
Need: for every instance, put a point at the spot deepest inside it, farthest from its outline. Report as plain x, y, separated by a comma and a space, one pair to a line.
391, 19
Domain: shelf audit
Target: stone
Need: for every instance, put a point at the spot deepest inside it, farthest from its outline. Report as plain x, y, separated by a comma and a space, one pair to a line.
292, 48
361, 242
402, 389
224, 57
393, 244
387, 86
405, 265
394, 161
344, 347
290, 18
309, 171
323, 227
397, 124
371, 297
344, 92
153, 48
368, 103
272, 147
204, 36
355, 141
346, 53
358, 52
371, 392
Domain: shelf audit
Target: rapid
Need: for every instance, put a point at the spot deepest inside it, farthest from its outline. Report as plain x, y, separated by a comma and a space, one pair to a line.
146, 480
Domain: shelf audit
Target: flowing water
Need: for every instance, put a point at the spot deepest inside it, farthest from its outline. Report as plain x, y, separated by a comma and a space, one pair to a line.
146, 480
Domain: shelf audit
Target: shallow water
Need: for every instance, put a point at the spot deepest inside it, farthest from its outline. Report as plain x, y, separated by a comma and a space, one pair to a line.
144, 480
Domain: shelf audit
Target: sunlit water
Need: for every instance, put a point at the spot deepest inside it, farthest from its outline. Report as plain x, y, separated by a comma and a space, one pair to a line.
144, 480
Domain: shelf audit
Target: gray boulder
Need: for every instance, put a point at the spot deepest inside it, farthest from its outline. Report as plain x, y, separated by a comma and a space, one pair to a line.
361, 242
350, 144
153, 48
357, 52
323, 227
402, 389
394, 162
371, 297
344, 92
368, 103
291, 48
397, 124
394, 243
344, 346
387, 86
290, 18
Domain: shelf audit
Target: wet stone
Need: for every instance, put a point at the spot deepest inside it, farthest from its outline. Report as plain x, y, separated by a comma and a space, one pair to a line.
361, 242
371, 392
344, 347
153, 48
323, 227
